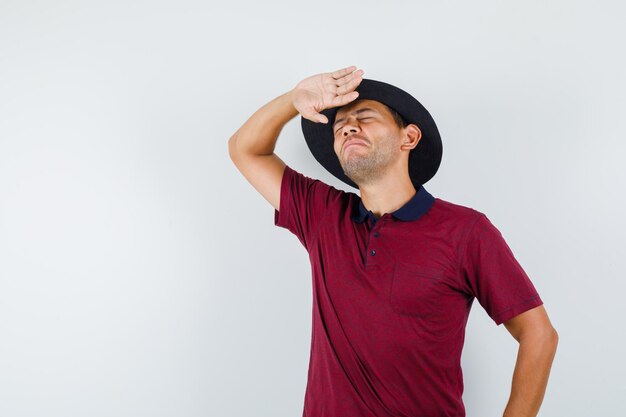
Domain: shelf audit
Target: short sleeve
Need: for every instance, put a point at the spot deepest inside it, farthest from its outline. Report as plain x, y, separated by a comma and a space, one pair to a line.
303, 203
494, 276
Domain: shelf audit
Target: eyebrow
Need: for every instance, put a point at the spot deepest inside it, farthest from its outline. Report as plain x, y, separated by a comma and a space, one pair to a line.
356, 112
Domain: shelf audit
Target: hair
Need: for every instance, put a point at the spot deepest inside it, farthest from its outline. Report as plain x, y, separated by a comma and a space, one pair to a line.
400, 121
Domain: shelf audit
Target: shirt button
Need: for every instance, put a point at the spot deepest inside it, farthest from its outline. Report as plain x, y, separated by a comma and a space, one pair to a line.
373, 252
375, 234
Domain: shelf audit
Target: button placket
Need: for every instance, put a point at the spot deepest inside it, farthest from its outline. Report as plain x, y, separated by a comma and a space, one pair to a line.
377, 225
376, 233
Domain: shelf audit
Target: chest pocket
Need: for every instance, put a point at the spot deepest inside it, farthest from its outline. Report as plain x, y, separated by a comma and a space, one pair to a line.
415, 290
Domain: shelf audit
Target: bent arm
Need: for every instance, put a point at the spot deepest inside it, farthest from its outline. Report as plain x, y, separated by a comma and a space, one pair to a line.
538, 341
251, 148
258, 135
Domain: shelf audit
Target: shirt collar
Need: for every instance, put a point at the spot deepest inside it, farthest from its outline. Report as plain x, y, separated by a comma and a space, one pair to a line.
417, 206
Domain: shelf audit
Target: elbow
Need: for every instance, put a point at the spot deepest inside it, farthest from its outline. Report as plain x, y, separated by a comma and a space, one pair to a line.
549, 340
554, 338
545, 337
232, 147
551, 335
552, 344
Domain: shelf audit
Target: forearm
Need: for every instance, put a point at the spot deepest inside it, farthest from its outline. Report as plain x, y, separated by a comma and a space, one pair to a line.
530, 377
258, 135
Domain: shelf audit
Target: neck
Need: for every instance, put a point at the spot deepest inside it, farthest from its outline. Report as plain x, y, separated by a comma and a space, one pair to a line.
387, 194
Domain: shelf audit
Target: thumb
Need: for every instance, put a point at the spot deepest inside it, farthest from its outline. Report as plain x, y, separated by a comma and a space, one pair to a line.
315, 117
322, 119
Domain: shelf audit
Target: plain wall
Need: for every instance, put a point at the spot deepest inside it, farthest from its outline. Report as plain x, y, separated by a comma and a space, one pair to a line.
142, 275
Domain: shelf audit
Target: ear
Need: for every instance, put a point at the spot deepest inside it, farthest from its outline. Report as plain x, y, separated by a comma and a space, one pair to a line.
413, 134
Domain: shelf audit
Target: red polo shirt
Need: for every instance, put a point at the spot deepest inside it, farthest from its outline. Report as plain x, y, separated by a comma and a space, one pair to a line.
391, 298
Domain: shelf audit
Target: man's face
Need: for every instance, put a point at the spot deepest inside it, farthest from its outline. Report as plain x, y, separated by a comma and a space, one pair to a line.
367, 140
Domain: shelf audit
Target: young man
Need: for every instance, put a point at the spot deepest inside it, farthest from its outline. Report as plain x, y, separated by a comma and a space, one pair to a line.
395, 270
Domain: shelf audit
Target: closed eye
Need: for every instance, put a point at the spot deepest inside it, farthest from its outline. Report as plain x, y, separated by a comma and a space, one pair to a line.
361, 118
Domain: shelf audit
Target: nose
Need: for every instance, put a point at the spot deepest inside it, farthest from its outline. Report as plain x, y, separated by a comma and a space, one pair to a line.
351, 126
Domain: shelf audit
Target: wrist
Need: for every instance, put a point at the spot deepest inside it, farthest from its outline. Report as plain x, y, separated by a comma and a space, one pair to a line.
289, 101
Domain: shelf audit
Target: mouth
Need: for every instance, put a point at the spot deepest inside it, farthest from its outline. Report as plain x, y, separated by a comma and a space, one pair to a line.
353, 142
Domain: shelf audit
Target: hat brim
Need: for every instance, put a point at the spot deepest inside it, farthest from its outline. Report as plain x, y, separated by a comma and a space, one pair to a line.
424, 159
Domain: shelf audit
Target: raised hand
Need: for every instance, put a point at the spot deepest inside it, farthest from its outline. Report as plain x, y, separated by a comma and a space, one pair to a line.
326, 90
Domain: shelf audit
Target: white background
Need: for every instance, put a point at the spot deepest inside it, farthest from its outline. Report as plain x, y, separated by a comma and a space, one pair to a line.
142, 275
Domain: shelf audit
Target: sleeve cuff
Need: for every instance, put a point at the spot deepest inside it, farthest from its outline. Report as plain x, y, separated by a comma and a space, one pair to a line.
501, 317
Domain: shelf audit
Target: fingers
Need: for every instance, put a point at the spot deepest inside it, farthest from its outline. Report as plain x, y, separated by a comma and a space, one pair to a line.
340, 88
344, 99
338, 101
349, 77
342, 72
351, 84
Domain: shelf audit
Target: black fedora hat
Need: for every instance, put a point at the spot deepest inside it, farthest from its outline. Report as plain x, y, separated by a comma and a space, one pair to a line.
424, 159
